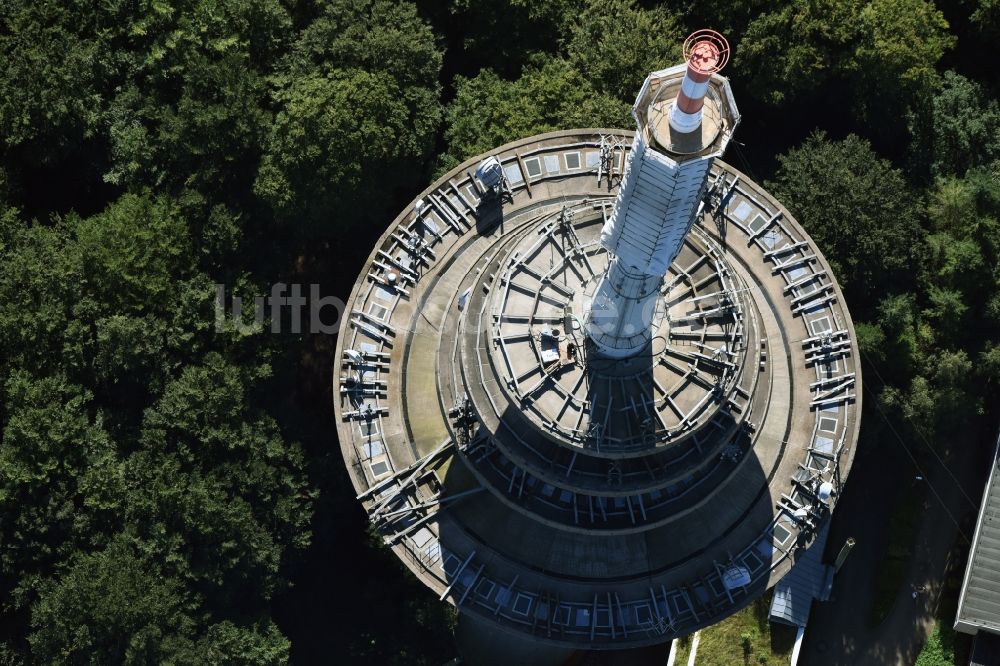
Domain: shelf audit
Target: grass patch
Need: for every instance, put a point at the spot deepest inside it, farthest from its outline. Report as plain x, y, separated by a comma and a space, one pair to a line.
903, 527
745, 638
683, 650
945, 646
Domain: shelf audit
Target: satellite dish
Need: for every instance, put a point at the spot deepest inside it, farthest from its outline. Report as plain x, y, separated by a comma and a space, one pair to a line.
490, 172
735, 577
825, 491
354, 356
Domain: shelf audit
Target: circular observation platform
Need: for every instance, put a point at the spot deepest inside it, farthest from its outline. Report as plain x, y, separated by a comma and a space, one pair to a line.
569, 500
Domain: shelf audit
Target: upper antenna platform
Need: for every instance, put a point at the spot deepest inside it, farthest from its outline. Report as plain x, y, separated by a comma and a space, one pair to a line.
706, 51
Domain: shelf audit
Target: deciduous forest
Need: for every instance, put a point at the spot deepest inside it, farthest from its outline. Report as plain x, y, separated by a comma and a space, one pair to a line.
171, 493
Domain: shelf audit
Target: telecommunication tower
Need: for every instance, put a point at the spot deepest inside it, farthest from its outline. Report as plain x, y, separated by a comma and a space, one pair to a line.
598, 389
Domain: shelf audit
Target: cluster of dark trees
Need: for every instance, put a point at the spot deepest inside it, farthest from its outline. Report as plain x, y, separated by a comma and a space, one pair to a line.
171, 492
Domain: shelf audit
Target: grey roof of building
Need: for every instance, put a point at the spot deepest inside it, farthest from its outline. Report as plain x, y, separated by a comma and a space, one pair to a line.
979, 604
794, 594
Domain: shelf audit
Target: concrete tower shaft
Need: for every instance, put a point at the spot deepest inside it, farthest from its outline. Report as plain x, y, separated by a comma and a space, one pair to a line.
685, 116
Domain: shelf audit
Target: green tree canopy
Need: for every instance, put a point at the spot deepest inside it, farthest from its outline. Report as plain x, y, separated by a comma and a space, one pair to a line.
489, 111
373, 35
112, 607
857, 207
169, 93
962, 274
60, 479
133, 252
334, 130
214, 488
886, 50
795, 46
987, 17
191, 110
940, 398
117, 606
615, 44
503, 36
102, 317
901, 42
357, 96
957, 129
55, 66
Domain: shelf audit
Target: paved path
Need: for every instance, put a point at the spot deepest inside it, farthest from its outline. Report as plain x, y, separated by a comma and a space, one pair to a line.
694, 648
839, 631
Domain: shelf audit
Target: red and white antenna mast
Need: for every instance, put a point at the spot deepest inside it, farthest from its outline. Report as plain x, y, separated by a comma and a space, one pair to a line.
705, 52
